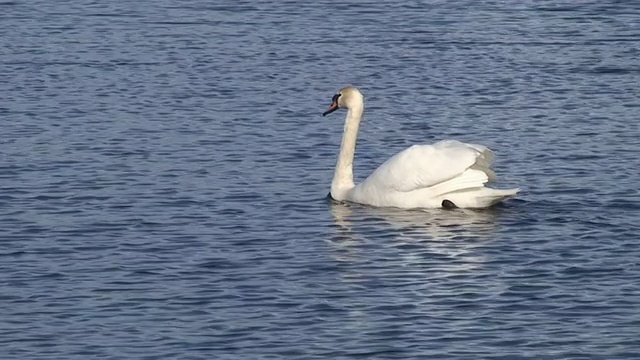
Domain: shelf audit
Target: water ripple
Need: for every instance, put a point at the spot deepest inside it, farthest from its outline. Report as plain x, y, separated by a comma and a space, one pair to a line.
165, 170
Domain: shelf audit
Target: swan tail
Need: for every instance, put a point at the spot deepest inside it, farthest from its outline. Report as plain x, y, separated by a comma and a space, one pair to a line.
468, 191
470, 179
480, 197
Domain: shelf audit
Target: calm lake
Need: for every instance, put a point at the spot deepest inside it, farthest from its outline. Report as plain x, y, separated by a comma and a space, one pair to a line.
164, 168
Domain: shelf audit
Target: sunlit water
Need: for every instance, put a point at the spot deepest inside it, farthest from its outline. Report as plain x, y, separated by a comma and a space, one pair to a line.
165, 167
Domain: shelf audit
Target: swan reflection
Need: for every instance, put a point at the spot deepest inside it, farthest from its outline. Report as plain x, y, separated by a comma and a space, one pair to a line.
413, 235
398, 257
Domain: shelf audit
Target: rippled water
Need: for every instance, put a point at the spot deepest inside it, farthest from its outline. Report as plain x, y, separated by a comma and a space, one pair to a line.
164, 171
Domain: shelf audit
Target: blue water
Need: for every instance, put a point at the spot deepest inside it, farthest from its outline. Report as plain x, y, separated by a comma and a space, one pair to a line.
164, 170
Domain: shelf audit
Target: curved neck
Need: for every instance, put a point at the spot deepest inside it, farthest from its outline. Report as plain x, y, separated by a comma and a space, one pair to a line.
343, 176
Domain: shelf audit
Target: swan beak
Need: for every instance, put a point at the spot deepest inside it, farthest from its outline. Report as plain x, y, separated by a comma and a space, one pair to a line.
334, 106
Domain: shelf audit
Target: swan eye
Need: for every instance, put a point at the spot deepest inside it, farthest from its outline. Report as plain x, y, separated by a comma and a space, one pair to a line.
335, 97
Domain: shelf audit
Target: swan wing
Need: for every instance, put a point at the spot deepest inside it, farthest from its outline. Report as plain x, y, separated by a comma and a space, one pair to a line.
422, 166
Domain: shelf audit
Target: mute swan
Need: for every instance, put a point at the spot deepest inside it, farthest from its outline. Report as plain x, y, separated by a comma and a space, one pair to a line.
446, 174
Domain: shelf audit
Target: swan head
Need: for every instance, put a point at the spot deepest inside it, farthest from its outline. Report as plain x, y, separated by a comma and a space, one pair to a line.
348, 97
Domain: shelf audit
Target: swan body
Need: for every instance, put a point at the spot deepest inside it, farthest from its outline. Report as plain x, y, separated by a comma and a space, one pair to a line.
447, 173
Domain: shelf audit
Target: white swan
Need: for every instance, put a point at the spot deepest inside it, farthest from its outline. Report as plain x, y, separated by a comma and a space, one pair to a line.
448, 173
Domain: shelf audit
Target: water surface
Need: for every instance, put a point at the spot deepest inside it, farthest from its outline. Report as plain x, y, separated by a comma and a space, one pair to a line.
164, 171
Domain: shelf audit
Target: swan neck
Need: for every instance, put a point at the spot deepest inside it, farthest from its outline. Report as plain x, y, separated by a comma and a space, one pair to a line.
343, 177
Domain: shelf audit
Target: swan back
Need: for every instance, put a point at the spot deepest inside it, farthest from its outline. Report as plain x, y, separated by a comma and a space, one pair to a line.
422, 166
422, 175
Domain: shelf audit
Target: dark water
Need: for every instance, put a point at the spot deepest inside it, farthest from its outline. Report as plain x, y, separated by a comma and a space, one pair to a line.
164, 170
